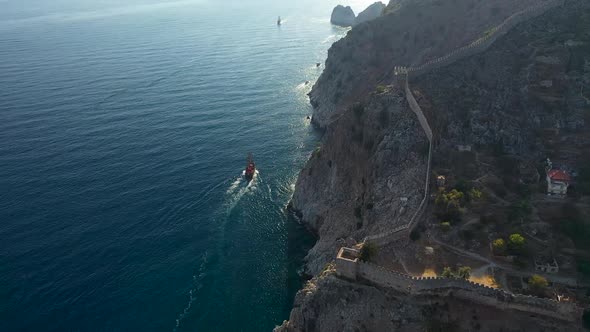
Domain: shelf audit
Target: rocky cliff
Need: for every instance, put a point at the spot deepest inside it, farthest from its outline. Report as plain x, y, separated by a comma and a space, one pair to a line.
328, 303
372, 12
367, 175
413, 32
342, 16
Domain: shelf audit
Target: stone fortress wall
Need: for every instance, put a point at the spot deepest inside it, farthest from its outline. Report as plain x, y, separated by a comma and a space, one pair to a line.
486, 41
404, 230
475, 47
349, 266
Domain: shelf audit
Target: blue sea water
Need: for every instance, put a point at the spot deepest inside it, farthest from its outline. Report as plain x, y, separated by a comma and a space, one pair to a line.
124, 128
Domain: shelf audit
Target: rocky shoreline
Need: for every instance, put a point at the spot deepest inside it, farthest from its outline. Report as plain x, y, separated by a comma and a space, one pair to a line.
367, 175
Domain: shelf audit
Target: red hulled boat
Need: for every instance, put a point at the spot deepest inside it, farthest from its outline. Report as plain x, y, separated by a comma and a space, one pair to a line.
250, 168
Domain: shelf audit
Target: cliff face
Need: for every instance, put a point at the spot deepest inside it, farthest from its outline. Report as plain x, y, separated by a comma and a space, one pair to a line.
528, 82
372, 12
373, 154
407, 33
328, 303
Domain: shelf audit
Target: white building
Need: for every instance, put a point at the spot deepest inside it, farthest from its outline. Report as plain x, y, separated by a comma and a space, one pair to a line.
557, 182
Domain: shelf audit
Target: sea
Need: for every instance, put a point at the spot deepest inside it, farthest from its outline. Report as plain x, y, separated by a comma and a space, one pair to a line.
124, 131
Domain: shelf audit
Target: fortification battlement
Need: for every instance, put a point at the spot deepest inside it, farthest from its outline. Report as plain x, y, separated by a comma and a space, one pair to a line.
350, 267
484, 42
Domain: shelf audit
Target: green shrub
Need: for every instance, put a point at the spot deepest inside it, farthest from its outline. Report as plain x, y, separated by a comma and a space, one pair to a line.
538, 284
574, 226
520, 210
464, 272
317, 152
520, 263
358, 110
445, 226
467, 234
368, 251
499, 246
448, 205
448, 272
586, 318
516, 242
358, 212
584, 268
524, 190
475, 194
462, 185
381, 88
584, 179
415, 235
509, 166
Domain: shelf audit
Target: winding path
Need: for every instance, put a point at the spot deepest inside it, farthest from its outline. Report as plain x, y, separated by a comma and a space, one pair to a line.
475, 47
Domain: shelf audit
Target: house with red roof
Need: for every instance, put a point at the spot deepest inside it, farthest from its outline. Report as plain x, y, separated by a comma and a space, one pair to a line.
557, 182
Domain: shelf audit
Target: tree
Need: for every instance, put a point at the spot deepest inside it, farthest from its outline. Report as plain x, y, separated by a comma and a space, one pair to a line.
448, 272
415, 235
381, 88
464, 272
368, 251
499, 246
516, 242
475, 194
538, 284
520, 210
449, 204
586, 318
445, 226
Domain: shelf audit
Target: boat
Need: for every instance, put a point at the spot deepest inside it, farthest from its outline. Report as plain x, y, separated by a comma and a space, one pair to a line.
279, 21
250, 168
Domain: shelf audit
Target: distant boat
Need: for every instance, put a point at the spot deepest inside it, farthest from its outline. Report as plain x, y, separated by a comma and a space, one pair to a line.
250, 168
279, 21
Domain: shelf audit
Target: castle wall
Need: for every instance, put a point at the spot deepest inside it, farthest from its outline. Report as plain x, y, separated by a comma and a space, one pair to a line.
460, 288
477, 46
485, 42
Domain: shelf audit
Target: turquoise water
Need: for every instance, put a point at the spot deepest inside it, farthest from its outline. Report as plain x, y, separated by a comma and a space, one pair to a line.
123, 134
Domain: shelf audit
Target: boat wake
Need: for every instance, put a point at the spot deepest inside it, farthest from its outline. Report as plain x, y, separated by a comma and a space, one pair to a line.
196, 286
241, 187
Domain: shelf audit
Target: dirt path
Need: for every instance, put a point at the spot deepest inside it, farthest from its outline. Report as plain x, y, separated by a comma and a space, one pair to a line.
569, 281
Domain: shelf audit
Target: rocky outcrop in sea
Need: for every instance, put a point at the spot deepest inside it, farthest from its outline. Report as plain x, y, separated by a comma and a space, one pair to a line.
342, 16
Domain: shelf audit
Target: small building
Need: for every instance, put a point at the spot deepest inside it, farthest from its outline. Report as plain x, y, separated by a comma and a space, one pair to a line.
464, 148
546, 264
441, 181
557, 182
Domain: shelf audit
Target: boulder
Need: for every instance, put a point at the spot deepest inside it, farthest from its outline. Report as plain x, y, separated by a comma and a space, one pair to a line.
342, 16
372, 12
